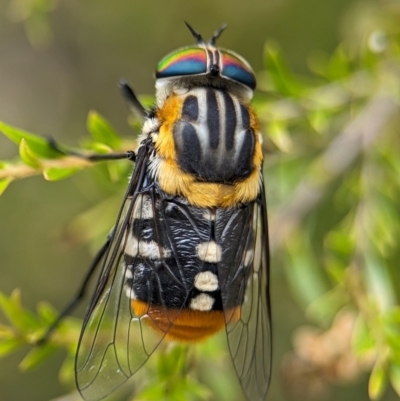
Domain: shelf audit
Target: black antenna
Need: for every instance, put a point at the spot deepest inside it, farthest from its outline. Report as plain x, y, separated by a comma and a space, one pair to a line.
196, 35
217, 34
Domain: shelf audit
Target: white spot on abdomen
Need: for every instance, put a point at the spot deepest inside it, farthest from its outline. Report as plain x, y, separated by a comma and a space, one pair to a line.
206, 281
209, 252
145, 249
202, 302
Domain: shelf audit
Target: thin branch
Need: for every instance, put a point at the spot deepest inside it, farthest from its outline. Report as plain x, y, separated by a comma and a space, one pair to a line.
355, 138
21, 170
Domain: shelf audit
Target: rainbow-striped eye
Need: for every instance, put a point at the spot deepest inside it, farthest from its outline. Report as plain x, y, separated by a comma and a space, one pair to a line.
237, 69
186, 61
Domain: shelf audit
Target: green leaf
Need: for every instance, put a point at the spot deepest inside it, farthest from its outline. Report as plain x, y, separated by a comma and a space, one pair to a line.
47, 313
4, 183
99, 147
319, 120
59, 173
363, 341
391, 327
284, 82
102, 131
279, 134
36, 356
172, 361
6, 332
340, 241
22, 319
37, 144
339, 65
12, 308
9, 345
27, 155
67, 374
377, 382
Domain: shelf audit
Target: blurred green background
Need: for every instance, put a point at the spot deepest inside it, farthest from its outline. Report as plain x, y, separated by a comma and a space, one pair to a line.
332, 153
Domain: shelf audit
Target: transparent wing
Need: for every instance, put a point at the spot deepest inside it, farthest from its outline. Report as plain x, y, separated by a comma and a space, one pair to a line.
248, 327
112, 345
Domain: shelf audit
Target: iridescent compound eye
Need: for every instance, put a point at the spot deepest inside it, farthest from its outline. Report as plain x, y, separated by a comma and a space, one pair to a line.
237, 69
187, 61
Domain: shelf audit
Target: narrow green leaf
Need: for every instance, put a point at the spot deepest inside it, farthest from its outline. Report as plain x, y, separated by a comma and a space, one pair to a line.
21, 319
319, 120
6, 332
37, 144
4, 183
36, 356
9, 345
172, 362
279, 134
46, 312
339, 64
340, 241
12, 309
363, 341
391, 329
67, 374
102, 131
377, 382
56, 174
99, 147
283, 80
27, 155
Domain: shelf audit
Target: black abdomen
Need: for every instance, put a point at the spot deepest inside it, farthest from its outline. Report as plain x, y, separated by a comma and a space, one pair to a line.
181, 256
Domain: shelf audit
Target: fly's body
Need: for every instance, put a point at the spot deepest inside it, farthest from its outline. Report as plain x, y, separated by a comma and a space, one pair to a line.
189, 253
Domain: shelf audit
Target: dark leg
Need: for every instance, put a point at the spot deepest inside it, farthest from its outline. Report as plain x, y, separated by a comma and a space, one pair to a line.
80, 294
130, 155
129, 95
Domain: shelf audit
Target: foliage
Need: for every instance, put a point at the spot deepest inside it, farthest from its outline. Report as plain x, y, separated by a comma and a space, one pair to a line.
338, 143
40, 156
332, 166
